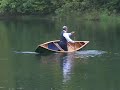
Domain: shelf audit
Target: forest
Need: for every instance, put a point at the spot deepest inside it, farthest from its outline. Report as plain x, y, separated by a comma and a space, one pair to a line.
58, 7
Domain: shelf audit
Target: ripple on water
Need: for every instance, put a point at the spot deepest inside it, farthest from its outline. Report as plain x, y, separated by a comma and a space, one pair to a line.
89, 53
25, 52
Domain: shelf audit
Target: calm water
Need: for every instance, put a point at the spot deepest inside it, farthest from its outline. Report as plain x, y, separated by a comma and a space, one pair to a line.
95, 67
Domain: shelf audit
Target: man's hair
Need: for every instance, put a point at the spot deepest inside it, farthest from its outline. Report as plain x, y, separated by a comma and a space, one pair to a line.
64, 27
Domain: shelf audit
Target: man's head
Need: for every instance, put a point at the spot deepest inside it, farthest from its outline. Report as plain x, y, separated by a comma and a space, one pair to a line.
65, 28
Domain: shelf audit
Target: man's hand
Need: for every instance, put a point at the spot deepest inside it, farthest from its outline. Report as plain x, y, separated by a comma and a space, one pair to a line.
72, 32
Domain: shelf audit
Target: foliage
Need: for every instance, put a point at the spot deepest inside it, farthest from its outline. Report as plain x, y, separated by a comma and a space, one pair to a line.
28, 6
58, 6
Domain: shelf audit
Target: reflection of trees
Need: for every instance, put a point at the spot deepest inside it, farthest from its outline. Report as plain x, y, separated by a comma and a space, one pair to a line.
6, 69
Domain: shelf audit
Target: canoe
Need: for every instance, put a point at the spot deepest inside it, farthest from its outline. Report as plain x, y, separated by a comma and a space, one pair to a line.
53, 46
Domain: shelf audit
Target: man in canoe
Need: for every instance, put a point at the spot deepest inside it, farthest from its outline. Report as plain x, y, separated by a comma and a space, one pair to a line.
65, 38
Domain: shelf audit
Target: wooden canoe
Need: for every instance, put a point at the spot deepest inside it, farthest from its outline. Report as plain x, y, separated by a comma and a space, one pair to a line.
53, 46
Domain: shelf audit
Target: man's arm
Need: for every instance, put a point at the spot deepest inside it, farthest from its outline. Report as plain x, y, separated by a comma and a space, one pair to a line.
66, 35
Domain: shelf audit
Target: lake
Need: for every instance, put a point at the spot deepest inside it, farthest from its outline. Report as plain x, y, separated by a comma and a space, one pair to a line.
95, 67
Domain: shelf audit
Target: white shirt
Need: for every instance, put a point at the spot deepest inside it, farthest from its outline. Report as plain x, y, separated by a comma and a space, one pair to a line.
67, 37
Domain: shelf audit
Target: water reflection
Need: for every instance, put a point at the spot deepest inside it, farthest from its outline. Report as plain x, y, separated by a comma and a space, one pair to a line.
24, 69
67, 62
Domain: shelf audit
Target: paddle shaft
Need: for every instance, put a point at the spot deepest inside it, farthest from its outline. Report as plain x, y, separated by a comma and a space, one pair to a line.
74, 43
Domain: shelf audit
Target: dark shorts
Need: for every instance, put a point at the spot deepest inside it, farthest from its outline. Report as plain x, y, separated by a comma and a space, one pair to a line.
63, 46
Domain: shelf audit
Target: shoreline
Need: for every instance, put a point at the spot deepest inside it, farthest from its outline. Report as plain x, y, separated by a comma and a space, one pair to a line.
87, 16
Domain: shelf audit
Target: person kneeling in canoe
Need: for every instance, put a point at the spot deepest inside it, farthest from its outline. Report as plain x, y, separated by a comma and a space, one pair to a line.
65, 38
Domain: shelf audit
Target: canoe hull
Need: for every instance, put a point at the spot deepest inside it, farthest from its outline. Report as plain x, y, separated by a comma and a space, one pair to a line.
40, 49
53, 46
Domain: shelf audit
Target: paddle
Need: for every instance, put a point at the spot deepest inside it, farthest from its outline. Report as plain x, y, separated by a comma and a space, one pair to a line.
74, 43
73, 33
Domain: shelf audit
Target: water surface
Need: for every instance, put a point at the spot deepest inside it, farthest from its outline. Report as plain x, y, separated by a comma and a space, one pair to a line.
95, 67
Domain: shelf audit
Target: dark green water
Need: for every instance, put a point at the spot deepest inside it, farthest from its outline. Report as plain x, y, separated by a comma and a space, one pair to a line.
95, 67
